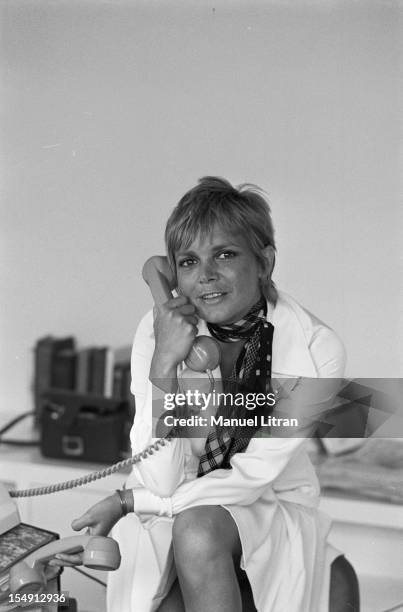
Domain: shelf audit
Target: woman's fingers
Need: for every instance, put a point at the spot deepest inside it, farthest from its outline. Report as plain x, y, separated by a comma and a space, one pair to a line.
187, 309
65, 560
176, 302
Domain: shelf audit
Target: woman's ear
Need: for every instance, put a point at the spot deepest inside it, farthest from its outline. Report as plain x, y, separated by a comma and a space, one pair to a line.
267, 285
269, 256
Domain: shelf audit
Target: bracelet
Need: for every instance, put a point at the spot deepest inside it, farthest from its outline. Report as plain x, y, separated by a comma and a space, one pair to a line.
123, 502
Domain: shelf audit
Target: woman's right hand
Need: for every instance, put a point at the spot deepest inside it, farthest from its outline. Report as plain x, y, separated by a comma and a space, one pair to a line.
175, 328
99, 520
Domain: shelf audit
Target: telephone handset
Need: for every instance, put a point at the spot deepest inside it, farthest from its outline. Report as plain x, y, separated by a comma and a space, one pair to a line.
204, 355
28, 575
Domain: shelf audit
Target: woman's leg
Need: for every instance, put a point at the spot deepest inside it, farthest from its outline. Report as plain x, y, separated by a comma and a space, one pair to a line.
207, 549
173, 602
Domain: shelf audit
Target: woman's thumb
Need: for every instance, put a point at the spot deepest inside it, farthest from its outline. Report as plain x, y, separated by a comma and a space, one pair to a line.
81, 522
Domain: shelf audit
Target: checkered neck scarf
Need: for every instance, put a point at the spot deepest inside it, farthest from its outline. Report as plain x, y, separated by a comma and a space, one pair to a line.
251, 374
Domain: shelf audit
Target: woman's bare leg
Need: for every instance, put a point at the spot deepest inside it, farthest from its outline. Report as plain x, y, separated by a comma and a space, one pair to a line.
206, 547
173, 602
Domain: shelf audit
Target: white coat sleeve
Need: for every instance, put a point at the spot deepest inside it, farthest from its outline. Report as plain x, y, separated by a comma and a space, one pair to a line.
162, 471
142, 351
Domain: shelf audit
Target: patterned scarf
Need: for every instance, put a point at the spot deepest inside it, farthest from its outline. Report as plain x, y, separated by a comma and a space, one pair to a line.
251, 374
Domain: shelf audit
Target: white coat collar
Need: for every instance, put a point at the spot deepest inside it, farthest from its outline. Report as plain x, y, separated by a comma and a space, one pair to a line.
292, 336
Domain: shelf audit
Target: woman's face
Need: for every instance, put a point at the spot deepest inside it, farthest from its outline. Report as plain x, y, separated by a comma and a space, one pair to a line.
220, 275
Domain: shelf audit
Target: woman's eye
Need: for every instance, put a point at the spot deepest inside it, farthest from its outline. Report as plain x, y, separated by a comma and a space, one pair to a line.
226, 255
185, 263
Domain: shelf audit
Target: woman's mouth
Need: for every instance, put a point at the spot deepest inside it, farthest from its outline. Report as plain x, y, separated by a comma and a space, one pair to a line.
212, 297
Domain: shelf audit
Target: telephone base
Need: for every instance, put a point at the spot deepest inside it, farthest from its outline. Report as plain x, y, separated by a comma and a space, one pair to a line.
52, 587
15, 545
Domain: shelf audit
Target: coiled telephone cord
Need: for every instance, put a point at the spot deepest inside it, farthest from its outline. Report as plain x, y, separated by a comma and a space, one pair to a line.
83, 480
78, 482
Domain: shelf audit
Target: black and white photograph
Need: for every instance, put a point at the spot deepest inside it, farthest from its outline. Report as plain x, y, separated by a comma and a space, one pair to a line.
201, 321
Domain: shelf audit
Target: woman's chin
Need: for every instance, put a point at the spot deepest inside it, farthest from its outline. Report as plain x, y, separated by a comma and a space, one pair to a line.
218, 312
215, 316
209, 315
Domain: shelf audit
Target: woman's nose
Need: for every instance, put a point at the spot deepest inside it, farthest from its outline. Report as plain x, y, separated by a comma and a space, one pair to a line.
208, 272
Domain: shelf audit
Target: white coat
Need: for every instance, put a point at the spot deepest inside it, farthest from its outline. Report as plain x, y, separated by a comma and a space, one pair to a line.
271, 491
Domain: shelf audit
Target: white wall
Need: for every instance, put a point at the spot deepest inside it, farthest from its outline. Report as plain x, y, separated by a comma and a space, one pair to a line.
113, 109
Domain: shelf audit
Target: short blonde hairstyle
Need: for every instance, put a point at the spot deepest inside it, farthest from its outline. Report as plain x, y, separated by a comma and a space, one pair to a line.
238, 210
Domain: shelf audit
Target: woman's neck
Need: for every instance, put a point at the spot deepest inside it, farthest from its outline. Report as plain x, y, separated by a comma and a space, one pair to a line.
229, 354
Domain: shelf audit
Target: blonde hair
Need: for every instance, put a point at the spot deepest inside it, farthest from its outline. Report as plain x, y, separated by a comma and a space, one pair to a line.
214, 201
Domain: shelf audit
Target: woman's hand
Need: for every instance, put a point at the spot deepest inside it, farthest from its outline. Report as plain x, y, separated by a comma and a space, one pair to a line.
99, 520
175, 328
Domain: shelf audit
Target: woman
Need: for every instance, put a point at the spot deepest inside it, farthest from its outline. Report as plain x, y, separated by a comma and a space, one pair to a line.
201, 511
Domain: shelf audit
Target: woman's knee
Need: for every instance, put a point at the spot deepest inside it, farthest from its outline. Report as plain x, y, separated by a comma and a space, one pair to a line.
203, 534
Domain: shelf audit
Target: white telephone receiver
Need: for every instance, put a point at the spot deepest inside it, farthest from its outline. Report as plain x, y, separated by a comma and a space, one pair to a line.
28, 575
